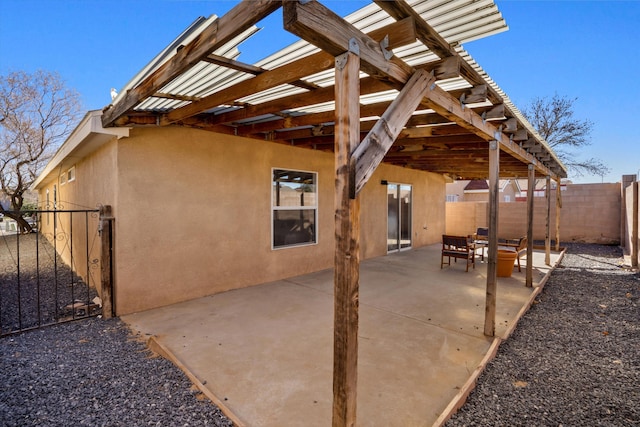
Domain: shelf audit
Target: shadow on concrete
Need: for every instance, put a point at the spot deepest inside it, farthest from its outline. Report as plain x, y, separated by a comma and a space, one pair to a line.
265, 353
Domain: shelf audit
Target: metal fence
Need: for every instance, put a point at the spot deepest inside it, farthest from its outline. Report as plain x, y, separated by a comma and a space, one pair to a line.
51, 274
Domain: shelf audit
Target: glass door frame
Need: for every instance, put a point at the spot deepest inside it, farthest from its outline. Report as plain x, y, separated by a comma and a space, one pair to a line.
399, 229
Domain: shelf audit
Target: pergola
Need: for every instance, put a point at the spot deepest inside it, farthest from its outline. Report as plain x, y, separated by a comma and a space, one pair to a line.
352, 92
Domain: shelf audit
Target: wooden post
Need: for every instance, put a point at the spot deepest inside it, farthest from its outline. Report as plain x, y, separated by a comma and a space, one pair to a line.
547, 235
623, 213
106, 262
347, 240
634, 227
492, 255
530, 195
558, 207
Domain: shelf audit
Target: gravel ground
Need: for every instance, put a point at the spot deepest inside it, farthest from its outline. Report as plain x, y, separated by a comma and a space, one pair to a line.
574, 358
41, 289
92, 372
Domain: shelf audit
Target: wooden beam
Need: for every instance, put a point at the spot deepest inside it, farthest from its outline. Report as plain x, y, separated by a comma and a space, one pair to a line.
310, 119
106, 262
232, 64
368, 85
492, 252
558, 207
219, 32
446, 68
347, 241
547, 235
446, 106
326, 120
477, 155
535, 149
530, 197
510, 126
400, 9
290, 73
474, 95
251, 69
427, 35
634, 225
376, 144
521, 135
177, 97
495, 113
321, 27
287, 73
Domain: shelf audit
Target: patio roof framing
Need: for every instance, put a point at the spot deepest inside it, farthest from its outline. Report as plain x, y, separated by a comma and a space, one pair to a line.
250, 104
458, 137
215, 35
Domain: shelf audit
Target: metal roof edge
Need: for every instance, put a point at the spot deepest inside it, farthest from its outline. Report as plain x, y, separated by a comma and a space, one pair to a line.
466, 56
195, 28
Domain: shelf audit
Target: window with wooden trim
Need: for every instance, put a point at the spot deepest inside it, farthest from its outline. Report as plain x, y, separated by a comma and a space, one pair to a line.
294, 207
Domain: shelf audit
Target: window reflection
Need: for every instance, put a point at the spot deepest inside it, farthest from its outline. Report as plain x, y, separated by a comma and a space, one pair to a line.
294, 204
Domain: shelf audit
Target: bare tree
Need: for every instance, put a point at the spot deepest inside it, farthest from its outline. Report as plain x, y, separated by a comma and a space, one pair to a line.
37, 113
554, 120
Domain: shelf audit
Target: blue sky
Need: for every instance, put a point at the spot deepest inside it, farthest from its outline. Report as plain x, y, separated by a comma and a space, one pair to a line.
580, 49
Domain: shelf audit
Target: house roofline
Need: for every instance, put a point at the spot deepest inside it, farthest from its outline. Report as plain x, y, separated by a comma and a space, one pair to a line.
87, 137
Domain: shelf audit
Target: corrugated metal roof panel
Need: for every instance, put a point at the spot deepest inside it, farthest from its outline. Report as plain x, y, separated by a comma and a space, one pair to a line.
202, 79
456, 20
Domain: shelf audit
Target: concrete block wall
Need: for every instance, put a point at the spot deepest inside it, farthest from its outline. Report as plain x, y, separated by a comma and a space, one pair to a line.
590, 213
462, 218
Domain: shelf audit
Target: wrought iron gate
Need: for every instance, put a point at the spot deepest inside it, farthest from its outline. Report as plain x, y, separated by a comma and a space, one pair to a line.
53, 273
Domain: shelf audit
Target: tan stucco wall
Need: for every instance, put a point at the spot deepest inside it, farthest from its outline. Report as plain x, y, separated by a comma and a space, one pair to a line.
590, 213
428, 199
95, 184
193, 212
194, 215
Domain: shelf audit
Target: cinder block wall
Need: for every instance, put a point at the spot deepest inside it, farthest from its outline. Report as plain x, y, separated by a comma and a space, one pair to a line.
462, 218
590, 213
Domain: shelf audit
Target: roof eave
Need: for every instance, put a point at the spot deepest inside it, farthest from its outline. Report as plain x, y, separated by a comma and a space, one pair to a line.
87, 137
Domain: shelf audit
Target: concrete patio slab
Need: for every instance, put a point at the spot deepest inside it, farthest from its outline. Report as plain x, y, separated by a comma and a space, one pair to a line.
265, 352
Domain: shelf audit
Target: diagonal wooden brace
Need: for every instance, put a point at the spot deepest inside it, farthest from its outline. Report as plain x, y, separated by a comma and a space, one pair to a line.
371, 151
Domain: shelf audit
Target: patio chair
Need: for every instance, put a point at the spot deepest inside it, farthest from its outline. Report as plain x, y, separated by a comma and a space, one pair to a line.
481, 240
517, 245
458, 247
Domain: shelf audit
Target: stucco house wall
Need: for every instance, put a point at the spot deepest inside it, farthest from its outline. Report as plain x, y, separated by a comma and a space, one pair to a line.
94, 182
193, 212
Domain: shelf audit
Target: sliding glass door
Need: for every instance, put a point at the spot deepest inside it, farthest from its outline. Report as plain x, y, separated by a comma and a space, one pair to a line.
398, 217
